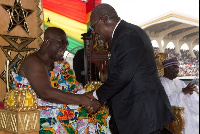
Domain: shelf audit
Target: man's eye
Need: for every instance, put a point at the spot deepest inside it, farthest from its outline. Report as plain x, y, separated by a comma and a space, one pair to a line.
59, 41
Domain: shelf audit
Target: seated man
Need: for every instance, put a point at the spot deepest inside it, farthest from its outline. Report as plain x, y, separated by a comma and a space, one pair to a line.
181, 95
45, 72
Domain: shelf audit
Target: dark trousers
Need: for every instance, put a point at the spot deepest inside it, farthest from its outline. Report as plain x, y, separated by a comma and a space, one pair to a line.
112, 124
114, 130
162, 130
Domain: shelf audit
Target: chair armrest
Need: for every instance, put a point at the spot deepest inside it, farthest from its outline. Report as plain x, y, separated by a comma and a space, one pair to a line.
179, 124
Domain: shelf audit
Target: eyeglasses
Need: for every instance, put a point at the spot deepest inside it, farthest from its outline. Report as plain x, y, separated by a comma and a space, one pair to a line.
92, 26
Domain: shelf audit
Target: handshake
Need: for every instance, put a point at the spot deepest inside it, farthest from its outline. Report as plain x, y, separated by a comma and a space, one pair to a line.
90, 103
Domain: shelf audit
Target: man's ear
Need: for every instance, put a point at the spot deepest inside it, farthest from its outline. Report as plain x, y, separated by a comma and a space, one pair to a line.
105, 19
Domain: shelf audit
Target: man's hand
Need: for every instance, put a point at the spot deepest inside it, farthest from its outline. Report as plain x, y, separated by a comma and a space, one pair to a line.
90, 103
93, 107
196, 91
189, 89
90, 94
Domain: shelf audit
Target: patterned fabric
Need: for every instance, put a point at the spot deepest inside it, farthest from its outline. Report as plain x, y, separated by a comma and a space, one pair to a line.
61, 118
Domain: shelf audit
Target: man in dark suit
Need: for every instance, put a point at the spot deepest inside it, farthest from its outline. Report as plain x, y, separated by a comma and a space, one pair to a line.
133, 91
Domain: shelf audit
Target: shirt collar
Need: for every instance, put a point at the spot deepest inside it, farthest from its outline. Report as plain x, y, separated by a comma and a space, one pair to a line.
116, 27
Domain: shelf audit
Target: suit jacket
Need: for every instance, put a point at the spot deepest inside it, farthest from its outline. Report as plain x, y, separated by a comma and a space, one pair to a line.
133, 88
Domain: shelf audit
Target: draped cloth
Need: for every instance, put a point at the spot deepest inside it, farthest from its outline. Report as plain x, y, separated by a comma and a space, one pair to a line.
176, 97
61, 118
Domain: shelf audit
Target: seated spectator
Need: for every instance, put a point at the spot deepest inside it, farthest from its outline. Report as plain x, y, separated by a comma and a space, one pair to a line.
181, 95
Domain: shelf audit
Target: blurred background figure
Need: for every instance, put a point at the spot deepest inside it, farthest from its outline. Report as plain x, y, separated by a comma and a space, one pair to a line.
181, 95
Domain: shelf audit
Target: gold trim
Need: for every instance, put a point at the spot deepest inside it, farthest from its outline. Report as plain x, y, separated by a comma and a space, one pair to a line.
93, 85
19, 98
179, 123
7, 71
160, 57
40, 22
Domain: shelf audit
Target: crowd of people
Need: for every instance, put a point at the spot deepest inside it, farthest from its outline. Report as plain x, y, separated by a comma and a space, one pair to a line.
189, 66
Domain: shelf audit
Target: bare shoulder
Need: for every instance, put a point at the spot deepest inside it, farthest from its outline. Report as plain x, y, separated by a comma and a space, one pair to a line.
31, 63
31, 60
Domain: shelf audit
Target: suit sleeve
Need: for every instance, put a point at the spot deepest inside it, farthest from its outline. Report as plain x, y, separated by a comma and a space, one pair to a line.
128, 53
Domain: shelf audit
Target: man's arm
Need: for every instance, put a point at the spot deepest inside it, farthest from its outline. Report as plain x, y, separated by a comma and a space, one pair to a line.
129, 53
37, 74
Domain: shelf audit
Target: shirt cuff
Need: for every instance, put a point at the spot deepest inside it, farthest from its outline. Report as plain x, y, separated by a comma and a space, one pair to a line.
95, 95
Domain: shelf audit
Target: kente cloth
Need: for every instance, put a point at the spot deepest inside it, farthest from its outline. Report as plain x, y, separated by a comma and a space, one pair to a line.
61, 118
176, 97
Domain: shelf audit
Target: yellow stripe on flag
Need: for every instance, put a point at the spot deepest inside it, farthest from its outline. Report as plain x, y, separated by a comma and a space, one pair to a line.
73, 28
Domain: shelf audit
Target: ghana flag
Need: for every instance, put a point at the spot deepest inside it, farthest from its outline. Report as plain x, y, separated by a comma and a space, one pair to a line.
70, 15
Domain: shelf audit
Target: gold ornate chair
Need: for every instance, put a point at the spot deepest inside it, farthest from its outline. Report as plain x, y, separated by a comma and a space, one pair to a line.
178, 125
95, 53
22, 29
20, 114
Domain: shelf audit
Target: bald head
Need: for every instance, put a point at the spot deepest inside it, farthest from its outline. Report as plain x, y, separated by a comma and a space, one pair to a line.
55, 43
103, 20
104, 10
53, 32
